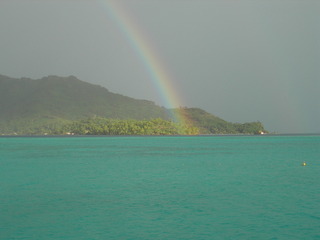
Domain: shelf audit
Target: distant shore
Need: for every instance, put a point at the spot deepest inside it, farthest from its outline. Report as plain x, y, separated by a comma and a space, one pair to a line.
200, 135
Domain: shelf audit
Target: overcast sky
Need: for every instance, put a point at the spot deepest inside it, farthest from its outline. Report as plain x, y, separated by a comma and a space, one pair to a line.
241, 60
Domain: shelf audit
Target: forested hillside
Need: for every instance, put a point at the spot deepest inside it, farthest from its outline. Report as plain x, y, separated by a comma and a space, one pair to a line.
52, 104
210, 124
69, 98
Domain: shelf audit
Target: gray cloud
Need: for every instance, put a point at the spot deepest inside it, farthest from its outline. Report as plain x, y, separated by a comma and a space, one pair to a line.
241, 60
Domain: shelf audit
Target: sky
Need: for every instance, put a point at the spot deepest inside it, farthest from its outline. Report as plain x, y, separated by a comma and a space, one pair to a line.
241, 60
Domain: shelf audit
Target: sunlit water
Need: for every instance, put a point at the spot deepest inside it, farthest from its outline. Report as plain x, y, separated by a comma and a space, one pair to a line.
210, 187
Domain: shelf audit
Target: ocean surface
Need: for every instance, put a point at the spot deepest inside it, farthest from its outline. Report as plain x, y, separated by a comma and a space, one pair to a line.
203, 187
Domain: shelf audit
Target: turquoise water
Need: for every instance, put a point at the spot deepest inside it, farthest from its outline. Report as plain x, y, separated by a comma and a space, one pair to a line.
217, 187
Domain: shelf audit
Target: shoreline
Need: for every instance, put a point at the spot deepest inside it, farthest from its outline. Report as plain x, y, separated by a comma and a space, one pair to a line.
200, 135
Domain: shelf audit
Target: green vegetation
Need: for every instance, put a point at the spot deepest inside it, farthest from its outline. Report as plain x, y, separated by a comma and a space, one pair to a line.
60, 105
103, 126
210, 124
71, 99
29, 126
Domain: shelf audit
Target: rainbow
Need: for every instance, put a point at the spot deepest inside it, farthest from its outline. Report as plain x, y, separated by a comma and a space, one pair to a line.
147, 54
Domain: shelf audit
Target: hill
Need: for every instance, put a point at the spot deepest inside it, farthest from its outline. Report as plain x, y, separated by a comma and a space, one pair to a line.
210, 124
30, 106
68, 98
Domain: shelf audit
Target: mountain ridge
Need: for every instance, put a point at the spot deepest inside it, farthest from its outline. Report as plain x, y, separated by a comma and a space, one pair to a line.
71, 98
